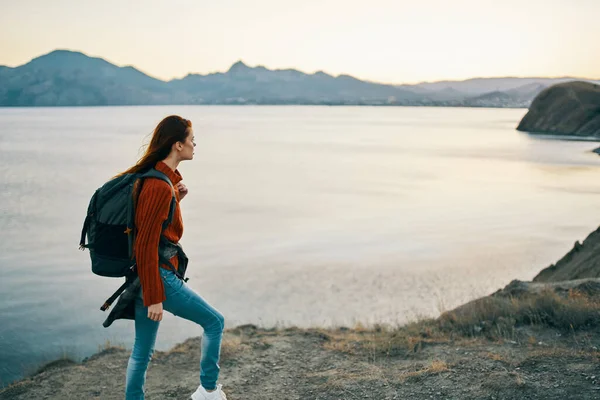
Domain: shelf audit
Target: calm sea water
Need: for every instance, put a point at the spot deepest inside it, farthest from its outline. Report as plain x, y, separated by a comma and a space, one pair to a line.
307, 216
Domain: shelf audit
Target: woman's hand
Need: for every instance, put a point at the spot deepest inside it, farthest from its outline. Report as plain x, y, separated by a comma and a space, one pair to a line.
155, 312
182, 190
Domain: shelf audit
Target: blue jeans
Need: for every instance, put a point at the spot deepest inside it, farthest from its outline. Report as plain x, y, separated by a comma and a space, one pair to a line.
183, 302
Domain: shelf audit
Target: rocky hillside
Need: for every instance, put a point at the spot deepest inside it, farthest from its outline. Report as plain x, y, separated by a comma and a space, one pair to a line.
583, 261
527, 341
571, 108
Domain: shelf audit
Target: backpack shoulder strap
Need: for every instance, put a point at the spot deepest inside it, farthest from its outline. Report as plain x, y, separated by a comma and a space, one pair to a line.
154, 173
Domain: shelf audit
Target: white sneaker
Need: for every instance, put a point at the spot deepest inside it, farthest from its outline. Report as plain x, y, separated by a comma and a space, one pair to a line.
202, 394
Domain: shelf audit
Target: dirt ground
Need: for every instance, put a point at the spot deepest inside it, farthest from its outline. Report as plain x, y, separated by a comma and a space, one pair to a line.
334, 364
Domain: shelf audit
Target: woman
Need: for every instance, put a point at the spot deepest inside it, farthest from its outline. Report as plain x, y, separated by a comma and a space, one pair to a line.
161, 287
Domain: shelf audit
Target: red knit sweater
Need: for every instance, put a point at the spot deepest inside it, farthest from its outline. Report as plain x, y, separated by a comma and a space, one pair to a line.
152, 209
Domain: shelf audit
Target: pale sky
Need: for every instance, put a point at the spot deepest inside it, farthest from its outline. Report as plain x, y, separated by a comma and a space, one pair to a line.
393, 41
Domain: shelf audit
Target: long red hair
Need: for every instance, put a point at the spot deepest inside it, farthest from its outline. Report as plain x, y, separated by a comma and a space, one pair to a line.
169, 131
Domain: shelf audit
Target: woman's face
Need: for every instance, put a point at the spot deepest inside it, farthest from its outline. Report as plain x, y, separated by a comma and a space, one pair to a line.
187, 153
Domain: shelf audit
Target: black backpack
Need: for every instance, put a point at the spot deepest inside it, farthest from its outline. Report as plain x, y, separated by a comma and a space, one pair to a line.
110, 226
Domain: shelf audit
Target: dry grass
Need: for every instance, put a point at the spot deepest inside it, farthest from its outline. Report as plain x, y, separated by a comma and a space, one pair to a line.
232, 346
108, 345
518, 378
495, 356
385, 341
436, 367
347, 343
564, 353
498, 317
494, 318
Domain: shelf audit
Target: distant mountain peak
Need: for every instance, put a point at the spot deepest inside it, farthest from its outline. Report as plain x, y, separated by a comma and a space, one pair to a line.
59, 59
62, 53
239, 66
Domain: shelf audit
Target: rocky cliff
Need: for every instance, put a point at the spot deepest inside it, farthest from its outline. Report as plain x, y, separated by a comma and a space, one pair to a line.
583, 261
571, 108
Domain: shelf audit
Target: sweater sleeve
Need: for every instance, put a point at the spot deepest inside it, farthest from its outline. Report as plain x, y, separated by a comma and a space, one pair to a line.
152, 210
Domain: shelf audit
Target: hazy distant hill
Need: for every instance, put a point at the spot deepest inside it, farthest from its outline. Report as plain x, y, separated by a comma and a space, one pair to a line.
479, 86
486, 92
64, 78
67, 78
242, 84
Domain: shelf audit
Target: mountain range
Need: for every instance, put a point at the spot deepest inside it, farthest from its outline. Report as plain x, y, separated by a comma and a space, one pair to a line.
69, 78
